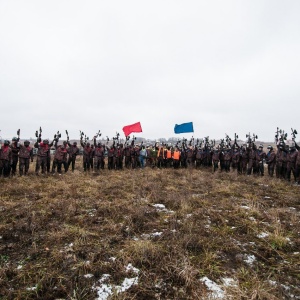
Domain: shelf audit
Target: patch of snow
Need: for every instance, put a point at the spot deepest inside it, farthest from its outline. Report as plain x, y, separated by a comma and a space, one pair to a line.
154, 234
252, 219
159, 206
145, 236
245, 206
267, 197
296, 253
126, 284
250, 259
88, 275
19, 267
130, 267
229, 281
189, 215
31, 288
162, 208
216, 291
272, 282
105, 290
263, 235
173, 230
112, 258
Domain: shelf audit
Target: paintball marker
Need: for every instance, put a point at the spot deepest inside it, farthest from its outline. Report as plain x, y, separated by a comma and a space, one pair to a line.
57, 136
235, 138
18, 134
98, 134
81, 134
228, 139
277, 135
38, 134
67, 135
294, 132
191, 142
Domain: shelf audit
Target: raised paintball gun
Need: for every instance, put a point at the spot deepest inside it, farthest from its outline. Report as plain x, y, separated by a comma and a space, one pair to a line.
294, 132
57, 136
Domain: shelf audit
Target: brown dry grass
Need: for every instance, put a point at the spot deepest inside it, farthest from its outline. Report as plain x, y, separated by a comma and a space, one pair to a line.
56, 229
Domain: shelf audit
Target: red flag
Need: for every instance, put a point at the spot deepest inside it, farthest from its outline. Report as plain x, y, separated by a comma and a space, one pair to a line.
136, 127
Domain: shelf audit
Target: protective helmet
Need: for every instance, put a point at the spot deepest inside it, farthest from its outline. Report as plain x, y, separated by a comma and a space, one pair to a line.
14, 139
75, 144
6, 142
46, 141
26, 142
88, 144
260, 146
270, 147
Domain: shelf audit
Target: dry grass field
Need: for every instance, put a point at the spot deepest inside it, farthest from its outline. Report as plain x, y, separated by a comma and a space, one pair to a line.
149, 234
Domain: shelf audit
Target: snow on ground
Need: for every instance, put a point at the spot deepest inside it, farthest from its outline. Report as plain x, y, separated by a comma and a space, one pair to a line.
162, 208
250, 259
263, 235
216, 291
105, 289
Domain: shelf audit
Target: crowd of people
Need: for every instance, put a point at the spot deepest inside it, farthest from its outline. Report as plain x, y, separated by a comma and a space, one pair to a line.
245, 159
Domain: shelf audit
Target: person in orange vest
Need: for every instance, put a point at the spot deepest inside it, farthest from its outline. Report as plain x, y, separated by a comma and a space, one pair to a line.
168, 158
160, 156
176, 158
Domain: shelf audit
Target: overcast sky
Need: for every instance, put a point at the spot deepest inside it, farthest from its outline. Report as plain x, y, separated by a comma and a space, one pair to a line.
226, 66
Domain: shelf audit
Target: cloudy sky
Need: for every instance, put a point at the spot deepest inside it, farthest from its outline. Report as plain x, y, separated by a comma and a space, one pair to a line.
227, 66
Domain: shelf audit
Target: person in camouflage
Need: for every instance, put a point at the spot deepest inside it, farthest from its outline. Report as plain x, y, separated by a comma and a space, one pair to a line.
73, 151
216, 158
15, 155
227, 156
42, 160
244, 157
235, 158
298, 163
260, 155
251, 158
25, 156
271, 160
292, 163
87, 154
99, 152
59, 158
279, 160
5, 159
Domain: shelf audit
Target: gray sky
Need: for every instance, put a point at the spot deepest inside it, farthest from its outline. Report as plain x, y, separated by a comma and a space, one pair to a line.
226, 66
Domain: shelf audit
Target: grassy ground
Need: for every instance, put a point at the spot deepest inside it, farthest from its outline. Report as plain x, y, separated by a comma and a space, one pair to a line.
59, 235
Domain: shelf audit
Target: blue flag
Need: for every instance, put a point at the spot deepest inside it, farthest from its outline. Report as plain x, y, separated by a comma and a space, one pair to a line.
185, 127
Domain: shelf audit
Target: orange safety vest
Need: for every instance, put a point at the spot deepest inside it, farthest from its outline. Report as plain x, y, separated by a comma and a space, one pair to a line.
159, 151
169, 154
176, 155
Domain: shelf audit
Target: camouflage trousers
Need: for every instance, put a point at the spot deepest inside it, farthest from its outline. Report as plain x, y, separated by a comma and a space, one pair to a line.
41, 162
24, 164
4, 168
99, 162
14, 165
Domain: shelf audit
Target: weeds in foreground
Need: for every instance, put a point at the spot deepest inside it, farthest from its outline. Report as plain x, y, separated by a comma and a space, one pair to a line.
60, 235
